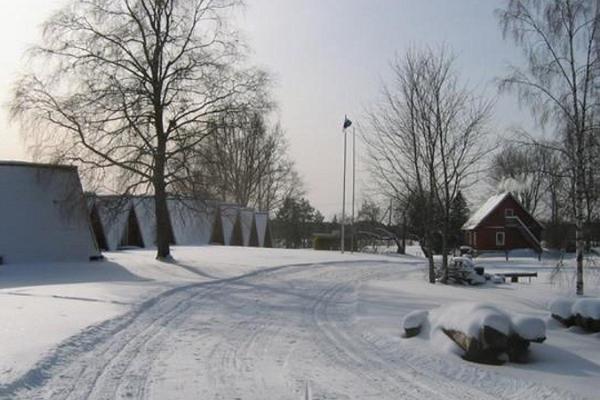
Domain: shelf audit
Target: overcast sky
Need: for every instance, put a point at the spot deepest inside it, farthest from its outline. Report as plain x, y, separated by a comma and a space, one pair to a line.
328, 58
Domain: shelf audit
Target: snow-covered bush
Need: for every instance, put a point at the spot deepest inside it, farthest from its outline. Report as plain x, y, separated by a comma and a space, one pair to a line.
461, 270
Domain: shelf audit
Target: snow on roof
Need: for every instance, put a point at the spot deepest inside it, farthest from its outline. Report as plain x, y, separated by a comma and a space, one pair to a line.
483, 211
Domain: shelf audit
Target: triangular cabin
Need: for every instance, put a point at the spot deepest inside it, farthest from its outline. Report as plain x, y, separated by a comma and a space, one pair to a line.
263, 230
114, 222
503, 224
146, 215
247, 224
230, 214
191, 221
43, 215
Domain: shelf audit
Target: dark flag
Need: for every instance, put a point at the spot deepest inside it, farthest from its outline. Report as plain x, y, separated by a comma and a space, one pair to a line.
347, 122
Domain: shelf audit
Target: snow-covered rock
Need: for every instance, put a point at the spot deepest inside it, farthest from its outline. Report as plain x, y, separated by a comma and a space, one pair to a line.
587, 308
413, 322
529, 328
584, 312
562, 307
482, 331
470, 317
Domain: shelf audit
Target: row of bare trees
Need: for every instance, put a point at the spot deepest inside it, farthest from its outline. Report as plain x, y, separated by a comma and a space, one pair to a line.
426, 141
244, 161
427, 136
130, 90
560, 83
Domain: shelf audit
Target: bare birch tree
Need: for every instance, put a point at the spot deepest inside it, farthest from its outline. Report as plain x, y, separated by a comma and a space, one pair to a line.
560, 39
128, 88
245, 161
426, 140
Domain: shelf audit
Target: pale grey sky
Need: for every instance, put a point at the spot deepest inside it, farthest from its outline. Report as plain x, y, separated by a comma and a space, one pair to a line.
328, 58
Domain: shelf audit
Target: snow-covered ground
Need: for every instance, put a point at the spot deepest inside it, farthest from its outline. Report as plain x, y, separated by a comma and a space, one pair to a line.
228, 323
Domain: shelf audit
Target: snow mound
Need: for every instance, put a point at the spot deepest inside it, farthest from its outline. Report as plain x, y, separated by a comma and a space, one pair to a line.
415, 319
528, 328
465, 260
562, 307
470, 317
587, 308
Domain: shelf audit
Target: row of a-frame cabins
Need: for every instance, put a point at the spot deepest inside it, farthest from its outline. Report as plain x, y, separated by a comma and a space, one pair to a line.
124, 222
45, 217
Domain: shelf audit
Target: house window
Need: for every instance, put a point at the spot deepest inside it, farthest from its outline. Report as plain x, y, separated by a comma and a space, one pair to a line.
500, 239
509, 212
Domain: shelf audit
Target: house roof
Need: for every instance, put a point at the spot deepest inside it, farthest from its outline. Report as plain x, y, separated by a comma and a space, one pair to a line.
485, 210
25, 164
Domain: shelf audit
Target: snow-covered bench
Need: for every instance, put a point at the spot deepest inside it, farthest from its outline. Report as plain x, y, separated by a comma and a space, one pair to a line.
514, 276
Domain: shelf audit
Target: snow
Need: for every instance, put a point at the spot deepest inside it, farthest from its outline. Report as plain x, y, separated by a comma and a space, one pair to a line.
528, 328
562, 307
587, 308
469, 318
415, 319
255, 323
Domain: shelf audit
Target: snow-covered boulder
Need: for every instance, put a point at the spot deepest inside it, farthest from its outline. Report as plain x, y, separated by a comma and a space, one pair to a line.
482, 332
413, 322
587, 314
497, 279
584, 312
561, 310
529, 328
524, 330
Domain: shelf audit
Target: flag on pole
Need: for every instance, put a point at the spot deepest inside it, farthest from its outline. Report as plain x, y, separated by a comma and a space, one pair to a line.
347, 122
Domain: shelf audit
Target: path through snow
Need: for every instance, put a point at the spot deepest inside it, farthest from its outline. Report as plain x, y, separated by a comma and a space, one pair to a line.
263, 335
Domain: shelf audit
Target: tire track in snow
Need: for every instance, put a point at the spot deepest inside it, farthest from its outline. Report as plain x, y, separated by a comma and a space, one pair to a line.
355, 353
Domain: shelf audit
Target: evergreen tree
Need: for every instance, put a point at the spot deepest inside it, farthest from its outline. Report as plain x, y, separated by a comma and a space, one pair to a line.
295, 222
459, 214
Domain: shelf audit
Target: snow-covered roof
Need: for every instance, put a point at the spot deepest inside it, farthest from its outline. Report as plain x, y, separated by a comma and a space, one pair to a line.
485, 210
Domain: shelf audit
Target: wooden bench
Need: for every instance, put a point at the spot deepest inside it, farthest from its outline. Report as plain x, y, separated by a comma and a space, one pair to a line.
514, 276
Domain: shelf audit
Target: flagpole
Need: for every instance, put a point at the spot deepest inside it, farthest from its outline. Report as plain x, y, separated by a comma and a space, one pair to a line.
344, 196
353, 184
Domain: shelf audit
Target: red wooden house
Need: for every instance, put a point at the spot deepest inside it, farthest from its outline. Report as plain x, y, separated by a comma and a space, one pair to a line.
501, 224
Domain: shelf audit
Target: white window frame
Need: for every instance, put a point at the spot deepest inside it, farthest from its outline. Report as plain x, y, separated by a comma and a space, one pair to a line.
507, 214
500, 234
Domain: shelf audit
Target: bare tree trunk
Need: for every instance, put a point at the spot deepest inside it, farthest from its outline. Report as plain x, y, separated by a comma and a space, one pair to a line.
163, 228
579, 218
445, 255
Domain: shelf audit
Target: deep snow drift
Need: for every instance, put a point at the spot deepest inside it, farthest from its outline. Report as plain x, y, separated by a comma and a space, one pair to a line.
247, 323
